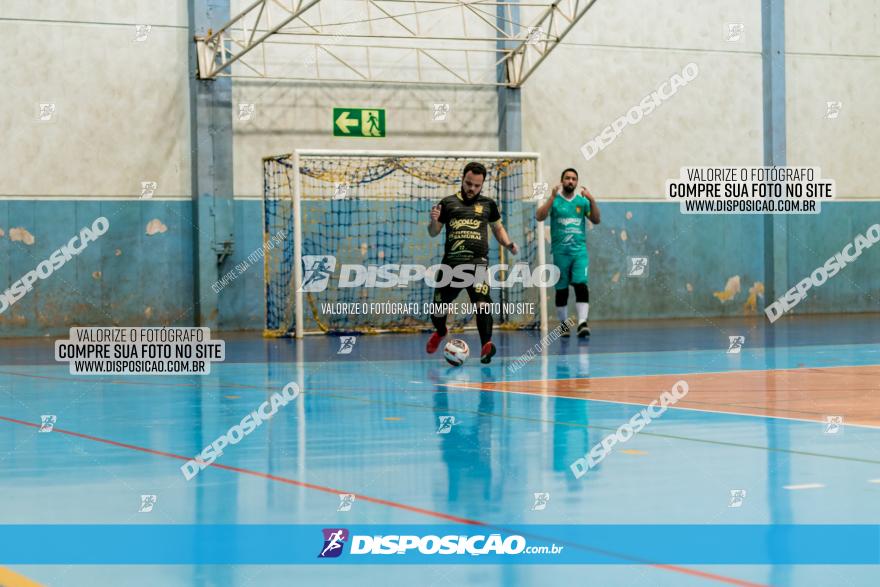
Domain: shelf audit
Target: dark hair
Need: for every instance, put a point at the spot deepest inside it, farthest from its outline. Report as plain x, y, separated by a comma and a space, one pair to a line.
567, 170
475, 168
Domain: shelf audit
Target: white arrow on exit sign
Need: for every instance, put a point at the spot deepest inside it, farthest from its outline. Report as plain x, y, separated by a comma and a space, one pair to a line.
344, 122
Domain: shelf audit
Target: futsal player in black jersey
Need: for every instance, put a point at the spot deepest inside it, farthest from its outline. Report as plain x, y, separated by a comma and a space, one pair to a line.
467, 216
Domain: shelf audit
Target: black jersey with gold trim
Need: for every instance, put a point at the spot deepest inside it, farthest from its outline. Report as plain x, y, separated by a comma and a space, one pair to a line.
467, 228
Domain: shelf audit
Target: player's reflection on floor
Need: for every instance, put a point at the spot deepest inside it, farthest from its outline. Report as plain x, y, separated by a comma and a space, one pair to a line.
571, 418
466, 445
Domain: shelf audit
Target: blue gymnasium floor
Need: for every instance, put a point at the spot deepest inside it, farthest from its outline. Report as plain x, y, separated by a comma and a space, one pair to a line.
366, 424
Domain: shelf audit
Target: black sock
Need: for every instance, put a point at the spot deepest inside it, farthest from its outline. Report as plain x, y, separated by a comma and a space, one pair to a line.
484, 326
440, 324
562, 297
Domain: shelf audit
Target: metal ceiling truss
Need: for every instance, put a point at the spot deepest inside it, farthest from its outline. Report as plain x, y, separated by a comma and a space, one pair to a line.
346, 50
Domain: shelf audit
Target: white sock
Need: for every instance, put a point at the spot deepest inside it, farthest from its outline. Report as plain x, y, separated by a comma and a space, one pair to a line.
562, 313
583, 310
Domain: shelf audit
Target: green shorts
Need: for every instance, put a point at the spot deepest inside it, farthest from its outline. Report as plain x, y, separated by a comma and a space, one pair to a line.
572, 269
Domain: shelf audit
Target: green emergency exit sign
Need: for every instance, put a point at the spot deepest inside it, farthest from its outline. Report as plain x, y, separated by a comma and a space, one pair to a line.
358, 122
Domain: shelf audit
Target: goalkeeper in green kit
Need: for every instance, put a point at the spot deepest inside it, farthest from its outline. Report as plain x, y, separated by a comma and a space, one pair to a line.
568, 212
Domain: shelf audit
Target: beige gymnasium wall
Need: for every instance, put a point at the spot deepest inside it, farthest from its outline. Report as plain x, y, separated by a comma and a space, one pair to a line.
833, 55
618, 54
121, 106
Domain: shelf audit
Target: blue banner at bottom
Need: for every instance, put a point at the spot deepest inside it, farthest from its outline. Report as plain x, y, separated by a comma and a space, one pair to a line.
437, 544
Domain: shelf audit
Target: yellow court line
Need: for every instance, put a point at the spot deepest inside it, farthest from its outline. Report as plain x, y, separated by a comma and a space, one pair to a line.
9, 578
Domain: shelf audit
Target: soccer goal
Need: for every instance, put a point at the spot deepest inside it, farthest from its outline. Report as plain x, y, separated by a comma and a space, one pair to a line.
335, 209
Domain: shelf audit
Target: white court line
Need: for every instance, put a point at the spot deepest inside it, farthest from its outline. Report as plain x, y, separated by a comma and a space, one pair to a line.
681, 375
641, 405
874, 481
804, 486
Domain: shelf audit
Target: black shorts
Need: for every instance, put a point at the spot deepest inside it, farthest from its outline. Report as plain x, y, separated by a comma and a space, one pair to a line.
478, 292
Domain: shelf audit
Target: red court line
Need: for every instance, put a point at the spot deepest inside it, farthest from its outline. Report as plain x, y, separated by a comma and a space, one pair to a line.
379, 501
254, 473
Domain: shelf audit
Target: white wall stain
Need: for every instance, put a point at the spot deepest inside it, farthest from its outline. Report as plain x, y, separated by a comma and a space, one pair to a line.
21, 235
155, 226
731, 288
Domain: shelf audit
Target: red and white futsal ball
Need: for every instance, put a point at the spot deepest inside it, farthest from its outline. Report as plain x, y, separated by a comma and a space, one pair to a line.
456, 352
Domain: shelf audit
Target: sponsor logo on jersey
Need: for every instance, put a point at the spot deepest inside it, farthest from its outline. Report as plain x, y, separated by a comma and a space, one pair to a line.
472, 223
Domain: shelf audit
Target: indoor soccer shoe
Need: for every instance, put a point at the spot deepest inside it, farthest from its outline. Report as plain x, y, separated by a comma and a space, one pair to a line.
487, 352
433, 343
564, 329
583, 329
